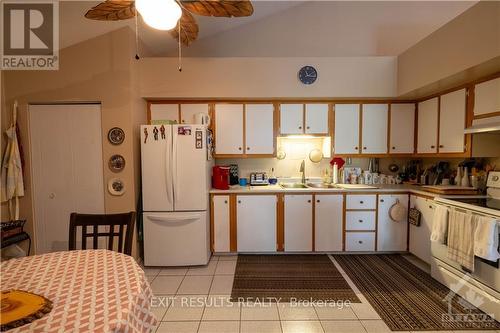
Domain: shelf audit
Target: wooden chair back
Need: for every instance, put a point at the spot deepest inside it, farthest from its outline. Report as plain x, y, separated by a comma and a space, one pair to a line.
123, 222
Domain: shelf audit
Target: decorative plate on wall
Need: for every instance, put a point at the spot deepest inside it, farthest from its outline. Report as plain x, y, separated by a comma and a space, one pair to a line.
116, 136
116, 163
116, 186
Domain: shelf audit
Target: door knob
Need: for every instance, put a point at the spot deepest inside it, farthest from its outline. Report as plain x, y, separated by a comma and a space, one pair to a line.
52, 195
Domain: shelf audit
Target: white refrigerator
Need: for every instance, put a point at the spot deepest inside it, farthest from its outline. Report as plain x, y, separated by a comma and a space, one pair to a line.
175, 185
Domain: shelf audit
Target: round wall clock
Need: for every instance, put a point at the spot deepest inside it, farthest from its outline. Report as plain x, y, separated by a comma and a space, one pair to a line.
116, 135
308, 74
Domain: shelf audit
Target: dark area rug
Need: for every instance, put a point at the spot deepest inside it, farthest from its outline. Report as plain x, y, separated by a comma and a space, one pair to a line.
289, 277
409, 299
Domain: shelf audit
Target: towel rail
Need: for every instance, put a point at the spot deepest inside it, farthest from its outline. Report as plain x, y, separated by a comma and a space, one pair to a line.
468, 211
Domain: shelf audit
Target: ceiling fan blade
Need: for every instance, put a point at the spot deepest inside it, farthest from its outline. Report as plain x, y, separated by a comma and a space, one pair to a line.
189, 28
219, 8
112, 10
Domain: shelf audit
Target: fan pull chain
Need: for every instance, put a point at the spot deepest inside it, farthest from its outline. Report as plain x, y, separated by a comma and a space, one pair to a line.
180, 47
136, 36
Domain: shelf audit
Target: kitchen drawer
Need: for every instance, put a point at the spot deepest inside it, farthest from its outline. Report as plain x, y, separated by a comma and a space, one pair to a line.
361, 201
360, 241
360, 220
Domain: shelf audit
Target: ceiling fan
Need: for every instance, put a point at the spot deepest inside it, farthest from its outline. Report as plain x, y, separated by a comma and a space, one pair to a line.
173, 15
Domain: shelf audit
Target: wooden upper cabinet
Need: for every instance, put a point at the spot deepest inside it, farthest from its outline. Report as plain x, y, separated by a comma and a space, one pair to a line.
452, 122
189, 111
374, 128
228, 129
487, 98
402, 129
346, 131
316, 119
164, 112
259, 129
292, 118
427, 135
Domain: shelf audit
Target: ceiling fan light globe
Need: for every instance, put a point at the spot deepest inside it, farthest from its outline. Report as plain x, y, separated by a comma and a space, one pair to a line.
159, 14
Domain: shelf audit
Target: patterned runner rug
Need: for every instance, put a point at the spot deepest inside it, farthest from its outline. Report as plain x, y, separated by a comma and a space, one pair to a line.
288, 277
409, 299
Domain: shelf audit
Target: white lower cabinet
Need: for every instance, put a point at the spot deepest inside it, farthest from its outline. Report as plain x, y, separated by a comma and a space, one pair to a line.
256, 223
298, 222
221, 236
391, 235
420, 244
360, 241
328, 222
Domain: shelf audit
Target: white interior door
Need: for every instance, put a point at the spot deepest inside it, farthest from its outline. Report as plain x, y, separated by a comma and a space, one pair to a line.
427, 126
67, 169
188, 111
189, 167
164, 112
229, 128
402, 130
259, 131
374, 128
292, 118
452, 122
316, 119
346, 132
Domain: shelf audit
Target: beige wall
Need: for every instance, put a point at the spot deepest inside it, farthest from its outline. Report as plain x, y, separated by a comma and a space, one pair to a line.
469, 40
267, 77
95, 70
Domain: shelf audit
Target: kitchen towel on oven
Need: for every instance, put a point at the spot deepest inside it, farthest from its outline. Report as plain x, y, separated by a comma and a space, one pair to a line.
486, 238
461, 227
440, 224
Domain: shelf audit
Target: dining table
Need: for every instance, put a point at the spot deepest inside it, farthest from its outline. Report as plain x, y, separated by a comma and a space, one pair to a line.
90, 291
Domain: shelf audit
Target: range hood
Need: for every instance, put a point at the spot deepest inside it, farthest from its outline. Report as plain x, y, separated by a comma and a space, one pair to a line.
483, 128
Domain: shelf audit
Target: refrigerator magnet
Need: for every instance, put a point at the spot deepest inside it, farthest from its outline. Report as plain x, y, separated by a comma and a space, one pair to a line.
184, 130
162, 132
145, 134
155, 133
199, 139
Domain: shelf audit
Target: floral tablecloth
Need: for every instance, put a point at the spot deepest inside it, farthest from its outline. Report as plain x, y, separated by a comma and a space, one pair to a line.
91, 291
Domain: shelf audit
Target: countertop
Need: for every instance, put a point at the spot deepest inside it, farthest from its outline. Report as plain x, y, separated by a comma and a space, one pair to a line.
412, 189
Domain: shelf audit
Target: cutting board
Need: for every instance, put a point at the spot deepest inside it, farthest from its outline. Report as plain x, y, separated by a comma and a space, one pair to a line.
450, 189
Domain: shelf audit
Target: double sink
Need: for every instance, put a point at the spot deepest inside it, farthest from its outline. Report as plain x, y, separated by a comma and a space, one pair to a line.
323, 185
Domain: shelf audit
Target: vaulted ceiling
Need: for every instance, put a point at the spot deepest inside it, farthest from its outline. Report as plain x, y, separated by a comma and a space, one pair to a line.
288, 28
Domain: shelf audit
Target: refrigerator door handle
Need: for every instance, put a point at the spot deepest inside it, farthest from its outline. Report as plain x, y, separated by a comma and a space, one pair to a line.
174, 162
176, 219
168, 170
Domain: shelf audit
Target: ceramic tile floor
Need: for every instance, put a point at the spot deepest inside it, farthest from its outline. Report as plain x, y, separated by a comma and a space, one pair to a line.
196, 300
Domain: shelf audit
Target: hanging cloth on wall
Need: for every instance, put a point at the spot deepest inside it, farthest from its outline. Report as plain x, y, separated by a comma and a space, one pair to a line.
12, 184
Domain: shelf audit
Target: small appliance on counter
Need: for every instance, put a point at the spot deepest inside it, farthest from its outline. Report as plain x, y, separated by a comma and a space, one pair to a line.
233, 174
220, 177
258, 179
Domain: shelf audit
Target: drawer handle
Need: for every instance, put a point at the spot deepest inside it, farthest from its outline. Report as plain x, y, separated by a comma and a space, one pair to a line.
361, 202
360, 221
360, 242
381, 200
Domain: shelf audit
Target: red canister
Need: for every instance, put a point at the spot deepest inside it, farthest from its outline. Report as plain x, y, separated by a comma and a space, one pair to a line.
220, 177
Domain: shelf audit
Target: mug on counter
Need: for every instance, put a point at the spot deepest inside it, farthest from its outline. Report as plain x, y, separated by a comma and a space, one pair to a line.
243, 182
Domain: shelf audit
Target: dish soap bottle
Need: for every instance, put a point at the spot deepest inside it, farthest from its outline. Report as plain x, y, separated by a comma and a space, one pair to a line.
272, 178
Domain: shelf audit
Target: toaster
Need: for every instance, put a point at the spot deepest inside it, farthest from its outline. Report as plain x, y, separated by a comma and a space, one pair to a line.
258, 178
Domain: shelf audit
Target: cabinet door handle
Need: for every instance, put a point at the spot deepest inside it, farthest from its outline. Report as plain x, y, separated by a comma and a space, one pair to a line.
308, 127
318, 200
239, 201
364, 148
248, 148
381, 200
360, 221
393, 148
239, 148
355, 148
308, 200
433, 147
300, 127
360, 242
361, 202
441, 146
225, 201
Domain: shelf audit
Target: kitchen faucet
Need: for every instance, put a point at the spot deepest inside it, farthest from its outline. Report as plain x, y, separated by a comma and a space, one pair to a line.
303, 170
